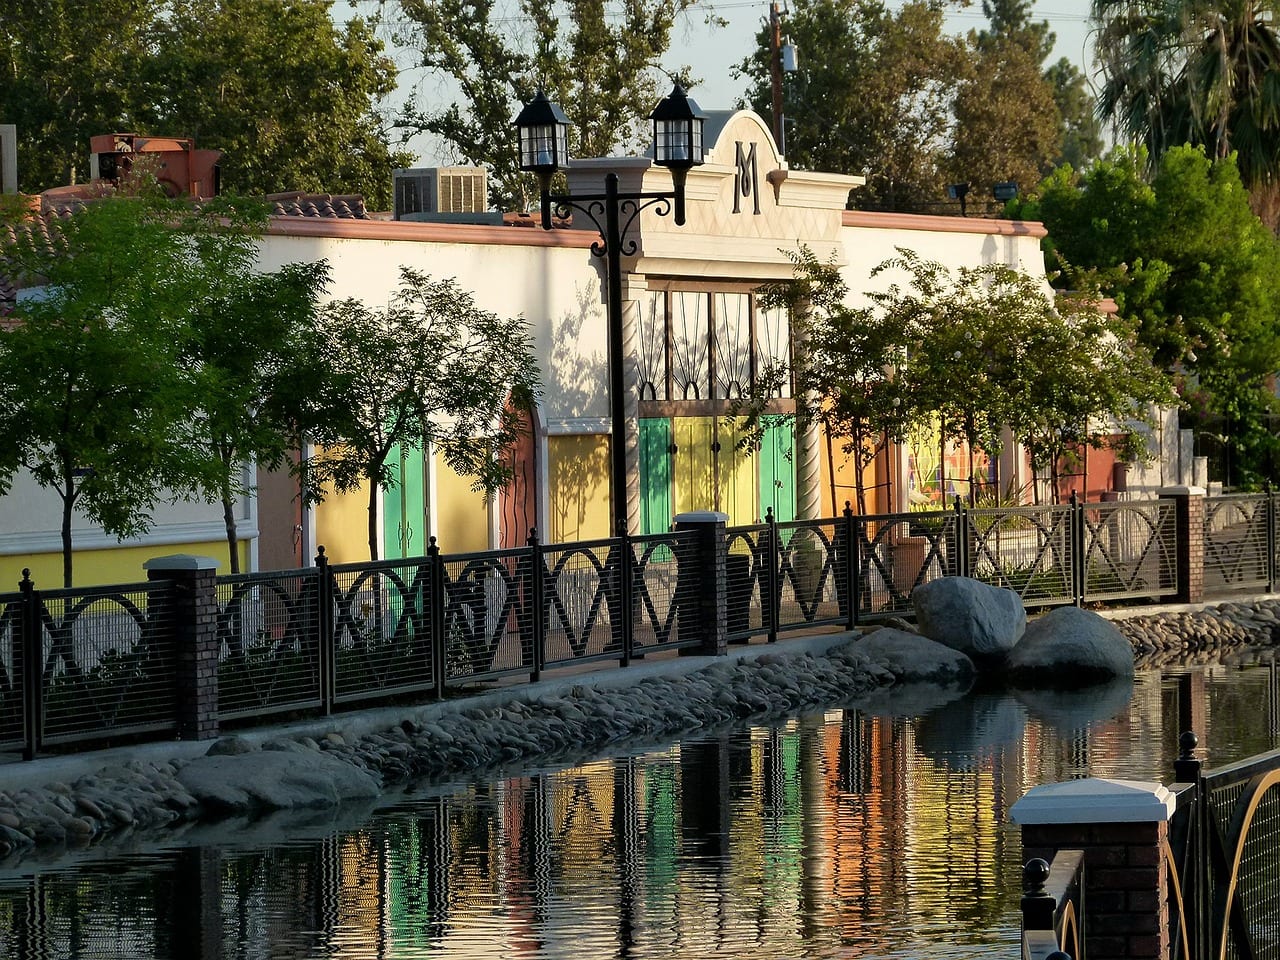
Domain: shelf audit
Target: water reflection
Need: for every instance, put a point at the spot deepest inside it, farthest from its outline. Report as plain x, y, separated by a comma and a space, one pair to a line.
838, 833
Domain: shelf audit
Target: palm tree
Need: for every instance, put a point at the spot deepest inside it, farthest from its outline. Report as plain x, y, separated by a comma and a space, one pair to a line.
1205, 72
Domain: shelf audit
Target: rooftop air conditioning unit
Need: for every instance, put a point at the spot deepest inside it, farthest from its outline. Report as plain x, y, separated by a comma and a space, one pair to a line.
440, 190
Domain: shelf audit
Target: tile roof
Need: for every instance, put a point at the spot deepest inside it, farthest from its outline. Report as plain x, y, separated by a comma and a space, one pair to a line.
300, 204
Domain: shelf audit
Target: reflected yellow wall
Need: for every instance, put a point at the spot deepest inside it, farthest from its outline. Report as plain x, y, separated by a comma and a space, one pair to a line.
578, 488
342, 526
91, 568
462, 516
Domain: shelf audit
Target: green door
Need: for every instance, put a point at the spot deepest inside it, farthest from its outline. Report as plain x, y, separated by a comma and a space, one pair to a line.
777, 467
404, 507
655, 475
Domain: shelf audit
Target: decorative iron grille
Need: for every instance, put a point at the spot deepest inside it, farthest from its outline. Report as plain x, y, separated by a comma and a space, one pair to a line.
1236, 544
898, 553
812, 567
747, 587
109, 662
1129, 549
488, 615
1029, 550
665, 573
269, 643
381, 642
12, 731
582, 600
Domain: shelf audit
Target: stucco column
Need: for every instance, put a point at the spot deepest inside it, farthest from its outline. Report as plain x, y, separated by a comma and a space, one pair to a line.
1123, 828
808, 447
634, 286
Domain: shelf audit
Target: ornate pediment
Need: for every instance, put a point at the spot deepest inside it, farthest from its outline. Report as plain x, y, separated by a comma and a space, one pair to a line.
744, 207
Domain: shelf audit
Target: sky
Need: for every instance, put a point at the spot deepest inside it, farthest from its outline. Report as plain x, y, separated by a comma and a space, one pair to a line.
713, 52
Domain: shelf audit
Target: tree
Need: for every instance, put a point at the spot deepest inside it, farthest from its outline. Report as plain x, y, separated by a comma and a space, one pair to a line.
92, 363
431, 368
600, 70
1195, 71
248, 334
1007, 122
1081, 140
1014, 118
1190, 264
990, 349
290, 98
875, 99
64, 63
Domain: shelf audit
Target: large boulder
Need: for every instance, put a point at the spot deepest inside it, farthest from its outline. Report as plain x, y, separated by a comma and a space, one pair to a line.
981, 621
912, 658
270, 780
1069, 648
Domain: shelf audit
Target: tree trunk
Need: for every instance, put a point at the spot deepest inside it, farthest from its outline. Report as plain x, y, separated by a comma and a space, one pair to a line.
68, 506
373, 518
229, 519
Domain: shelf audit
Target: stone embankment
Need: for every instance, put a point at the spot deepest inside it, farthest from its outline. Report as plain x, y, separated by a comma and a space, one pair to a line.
1201, 636
238, 777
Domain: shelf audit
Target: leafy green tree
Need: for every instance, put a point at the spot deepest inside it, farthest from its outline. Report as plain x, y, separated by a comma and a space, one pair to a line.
1081, 141
248, 335
1195, 71
1007, 122
844, 374
875, 97
65, 65
990, 349
288, 96
432, 367
601, 70
96, 394
1190, 264
1015, 119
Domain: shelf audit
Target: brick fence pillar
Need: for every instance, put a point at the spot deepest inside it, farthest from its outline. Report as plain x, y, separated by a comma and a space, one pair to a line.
192, 608
1123, 828
705, 588
1189, 514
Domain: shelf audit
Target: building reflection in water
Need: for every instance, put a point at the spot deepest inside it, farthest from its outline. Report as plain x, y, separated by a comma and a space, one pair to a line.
833, 833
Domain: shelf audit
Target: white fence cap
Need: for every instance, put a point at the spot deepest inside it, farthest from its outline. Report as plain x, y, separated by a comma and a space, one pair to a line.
1095, 800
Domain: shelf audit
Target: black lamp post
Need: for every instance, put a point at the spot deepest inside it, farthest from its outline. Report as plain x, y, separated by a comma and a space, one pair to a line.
677, 145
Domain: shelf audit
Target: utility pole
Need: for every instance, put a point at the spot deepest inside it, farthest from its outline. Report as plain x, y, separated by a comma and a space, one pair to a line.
775, 74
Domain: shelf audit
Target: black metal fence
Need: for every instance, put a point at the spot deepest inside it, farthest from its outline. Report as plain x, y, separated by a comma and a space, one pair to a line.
1225, 859
1053, 907
86, 664
82, 665
800, 575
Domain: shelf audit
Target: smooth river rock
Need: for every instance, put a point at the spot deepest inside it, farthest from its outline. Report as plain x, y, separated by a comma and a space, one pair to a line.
1068, 648
981, 621
273, 780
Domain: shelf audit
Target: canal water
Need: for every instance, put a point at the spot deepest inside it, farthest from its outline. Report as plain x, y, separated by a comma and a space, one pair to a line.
872, 832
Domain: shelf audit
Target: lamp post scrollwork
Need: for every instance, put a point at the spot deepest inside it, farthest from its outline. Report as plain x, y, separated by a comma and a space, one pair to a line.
677, 145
